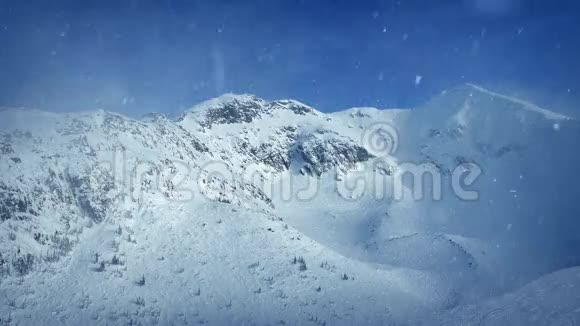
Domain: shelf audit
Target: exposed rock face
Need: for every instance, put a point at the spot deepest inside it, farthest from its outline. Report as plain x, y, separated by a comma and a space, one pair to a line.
294, 106
5, 145
234, 109
322, 155
13, 203
277, 151
275, 134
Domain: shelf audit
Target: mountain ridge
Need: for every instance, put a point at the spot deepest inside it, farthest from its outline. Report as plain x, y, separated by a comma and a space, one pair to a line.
245, 98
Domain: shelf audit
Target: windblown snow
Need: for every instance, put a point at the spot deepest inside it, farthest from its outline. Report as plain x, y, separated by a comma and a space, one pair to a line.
255, 212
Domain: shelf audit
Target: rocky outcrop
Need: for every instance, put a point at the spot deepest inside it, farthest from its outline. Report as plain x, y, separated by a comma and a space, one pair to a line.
322, 155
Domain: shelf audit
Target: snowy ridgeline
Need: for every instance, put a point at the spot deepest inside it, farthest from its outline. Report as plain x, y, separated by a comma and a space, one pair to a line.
247, 211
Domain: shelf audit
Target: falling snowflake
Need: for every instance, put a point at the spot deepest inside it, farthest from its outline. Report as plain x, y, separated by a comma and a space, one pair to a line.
418, 79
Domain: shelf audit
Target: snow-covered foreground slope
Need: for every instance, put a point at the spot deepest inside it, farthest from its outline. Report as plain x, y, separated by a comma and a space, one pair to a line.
550, 300
215, 264
245, 211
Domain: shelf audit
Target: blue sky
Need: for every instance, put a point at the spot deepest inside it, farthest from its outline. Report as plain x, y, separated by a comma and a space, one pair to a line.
142, 56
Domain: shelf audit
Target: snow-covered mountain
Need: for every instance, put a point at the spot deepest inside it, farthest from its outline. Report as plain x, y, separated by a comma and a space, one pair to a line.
248, 211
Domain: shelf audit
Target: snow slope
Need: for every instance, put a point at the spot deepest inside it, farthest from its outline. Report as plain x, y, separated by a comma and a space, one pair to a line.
248, 211
550, 300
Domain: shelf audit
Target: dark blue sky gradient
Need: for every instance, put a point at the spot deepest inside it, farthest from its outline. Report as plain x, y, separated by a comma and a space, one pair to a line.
141, 56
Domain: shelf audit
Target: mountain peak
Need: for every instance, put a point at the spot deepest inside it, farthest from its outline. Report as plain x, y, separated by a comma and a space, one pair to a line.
228, 98
474, 95
240, 108
524, 104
